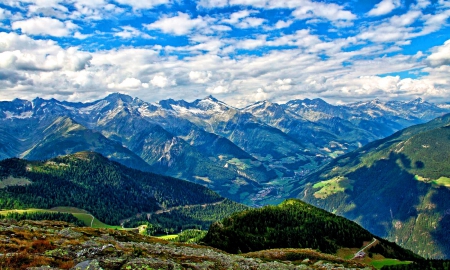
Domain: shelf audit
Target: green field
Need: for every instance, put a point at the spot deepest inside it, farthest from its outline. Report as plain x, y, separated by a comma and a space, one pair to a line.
442, 181
380, 263
80, 214
168, 237
332, 186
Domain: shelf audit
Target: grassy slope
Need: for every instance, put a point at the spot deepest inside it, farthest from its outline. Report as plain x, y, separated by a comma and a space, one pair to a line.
78, 213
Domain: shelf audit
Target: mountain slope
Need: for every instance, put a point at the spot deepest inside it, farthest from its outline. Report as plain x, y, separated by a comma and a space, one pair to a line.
89, 181
397, 187
294, 224
334, 135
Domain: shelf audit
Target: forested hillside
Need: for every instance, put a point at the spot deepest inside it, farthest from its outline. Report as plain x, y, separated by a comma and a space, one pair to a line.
294, 224
86, 180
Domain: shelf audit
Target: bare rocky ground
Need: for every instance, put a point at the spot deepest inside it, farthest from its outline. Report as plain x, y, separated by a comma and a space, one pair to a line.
39, 245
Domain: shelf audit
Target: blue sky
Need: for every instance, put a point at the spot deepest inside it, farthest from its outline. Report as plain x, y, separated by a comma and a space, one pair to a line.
240, 51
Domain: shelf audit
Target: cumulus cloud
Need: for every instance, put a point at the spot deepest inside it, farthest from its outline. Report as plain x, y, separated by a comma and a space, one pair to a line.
283, 24
128, 83
219, 89
24, 53
5, 14
178, 25
384, 7
200, 76
45, 26
260, 95
143, 4
330, 11
440, 55
243, 19
161, 81
128, 32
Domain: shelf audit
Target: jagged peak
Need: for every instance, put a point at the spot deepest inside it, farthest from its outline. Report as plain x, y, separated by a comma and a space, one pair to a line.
116, 96
262, 103
417, 101
210, 97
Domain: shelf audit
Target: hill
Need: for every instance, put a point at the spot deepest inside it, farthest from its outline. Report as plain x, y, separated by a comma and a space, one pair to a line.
59, 245
295, 224
107, 189
397, 187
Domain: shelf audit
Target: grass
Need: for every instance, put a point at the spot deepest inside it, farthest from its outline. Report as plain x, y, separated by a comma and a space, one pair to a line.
168, 237
242, 164
206, 179
442, 181
80, 214
332, 186
378, 264
12, 181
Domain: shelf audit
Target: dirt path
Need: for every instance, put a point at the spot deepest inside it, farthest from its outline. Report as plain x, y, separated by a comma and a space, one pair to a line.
369, 245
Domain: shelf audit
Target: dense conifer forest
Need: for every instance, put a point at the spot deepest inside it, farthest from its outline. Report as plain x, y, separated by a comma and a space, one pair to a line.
86, 180
294, 224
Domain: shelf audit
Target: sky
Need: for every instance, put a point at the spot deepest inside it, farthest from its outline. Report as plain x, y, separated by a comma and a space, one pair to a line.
239, 51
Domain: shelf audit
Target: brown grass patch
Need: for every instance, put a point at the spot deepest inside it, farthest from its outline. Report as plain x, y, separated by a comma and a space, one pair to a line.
40, 246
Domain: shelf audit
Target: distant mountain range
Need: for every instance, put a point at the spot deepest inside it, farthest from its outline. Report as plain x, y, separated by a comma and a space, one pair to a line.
253, 155
397, 187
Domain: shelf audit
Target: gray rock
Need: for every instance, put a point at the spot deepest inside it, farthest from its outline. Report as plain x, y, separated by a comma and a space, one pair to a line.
69, 233
88, 265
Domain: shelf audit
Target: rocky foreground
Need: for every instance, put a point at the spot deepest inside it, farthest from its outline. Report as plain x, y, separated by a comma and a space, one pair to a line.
39, 245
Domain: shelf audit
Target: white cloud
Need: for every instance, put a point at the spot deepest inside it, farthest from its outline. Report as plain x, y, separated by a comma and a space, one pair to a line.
128, 83
250, 22
219, 89
330, 11
260, 95
384, 7
421, 4
178, 25
237, 16
5, 14
283, 24
200, 76
78, 35
212, 3
23, 53
440, 55
143, 4
45, 26
161, 81
131, 32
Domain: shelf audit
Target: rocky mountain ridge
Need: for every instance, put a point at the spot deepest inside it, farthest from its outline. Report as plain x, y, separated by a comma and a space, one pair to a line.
251, 155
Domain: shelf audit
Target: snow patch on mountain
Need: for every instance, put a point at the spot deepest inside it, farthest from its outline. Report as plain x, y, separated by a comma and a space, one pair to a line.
23, 115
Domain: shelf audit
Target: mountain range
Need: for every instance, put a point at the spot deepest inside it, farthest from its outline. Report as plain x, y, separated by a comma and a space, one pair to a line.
350, 159
253, 155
